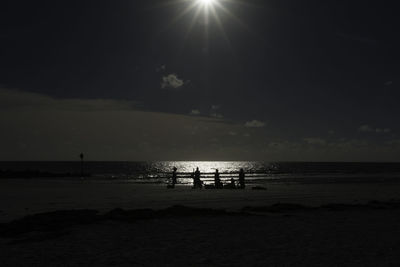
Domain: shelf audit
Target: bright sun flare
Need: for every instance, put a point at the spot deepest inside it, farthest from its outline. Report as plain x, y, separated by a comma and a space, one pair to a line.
207, 13
206, 2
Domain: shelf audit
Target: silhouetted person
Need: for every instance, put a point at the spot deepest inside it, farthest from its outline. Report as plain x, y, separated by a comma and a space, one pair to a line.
241, 179
217, 180
174, 178
196, 179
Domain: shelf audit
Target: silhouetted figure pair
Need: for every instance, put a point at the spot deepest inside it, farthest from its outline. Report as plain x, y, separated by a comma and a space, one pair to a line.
241, 184
217, 180
197, 183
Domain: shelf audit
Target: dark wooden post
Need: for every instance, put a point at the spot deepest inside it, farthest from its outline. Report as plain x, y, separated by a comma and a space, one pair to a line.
81, 156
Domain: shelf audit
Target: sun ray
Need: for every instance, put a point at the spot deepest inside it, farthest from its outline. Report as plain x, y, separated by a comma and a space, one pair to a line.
191, 25
207, 6
221, 27
182, 14
204, 12
165, 4
231, 15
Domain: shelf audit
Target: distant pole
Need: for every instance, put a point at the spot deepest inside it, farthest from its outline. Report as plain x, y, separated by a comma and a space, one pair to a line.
81, 156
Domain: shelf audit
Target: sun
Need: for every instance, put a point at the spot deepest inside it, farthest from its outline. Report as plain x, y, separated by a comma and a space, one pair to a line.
206, 3
208, 13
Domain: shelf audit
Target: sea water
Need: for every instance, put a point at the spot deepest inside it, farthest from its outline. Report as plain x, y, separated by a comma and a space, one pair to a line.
257, 172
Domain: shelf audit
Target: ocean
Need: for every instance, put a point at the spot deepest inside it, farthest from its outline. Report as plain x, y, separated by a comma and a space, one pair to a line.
257, 172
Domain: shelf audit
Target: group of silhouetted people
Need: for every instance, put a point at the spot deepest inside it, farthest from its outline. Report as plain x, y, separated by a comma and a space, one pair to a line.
197, 183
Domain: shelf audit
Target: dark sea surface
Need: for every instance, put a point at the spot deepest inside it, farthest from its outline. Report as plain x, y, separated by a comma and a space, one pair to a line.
257, 172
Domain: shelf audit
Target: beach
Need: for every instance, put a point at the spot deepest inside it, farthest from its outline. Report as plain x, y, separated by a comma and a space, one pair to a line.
21, 197
129, 224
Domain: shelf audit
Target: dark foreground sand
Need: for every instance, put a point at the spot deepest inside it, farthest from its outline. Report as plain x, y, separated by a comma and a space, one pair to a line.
213, 230
281, 235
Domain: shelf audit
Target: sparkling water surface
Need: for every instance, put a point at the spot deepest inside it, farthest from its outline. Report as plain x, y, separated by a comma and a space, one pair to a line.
256, 171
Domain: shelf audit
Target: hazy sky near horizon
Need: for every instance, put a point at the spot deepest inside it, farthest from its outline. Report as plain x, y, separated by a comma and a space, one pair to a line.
144, 80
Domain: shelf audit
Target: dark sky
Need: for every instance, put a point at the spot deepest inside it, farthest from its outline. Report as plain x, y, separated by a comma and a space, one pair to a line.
142, 80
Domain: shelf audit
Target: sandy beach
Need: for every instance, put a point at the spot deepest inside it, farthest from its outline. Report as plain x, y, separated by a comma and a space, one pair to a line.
307, 233
21, 197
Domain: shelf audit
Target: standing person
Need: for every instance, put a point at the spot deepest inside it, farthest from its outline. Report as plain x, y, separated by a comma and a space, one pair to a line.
241, 179
196, 179
174, 178
217, 180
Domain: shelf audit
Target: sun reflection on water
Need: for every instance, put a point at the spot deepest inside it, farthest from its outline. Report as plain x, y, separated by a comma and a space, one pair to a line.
207, 166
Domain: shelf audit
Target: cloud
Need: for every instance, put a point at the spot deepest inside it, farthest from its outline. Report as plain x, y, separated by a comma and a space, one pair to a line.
315, 141
40, 127
214, 112
161, 68
15, 99
365, 128
216, 115
215, 107
368, 129
254, 124
385, 130
171, 81
195, 112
